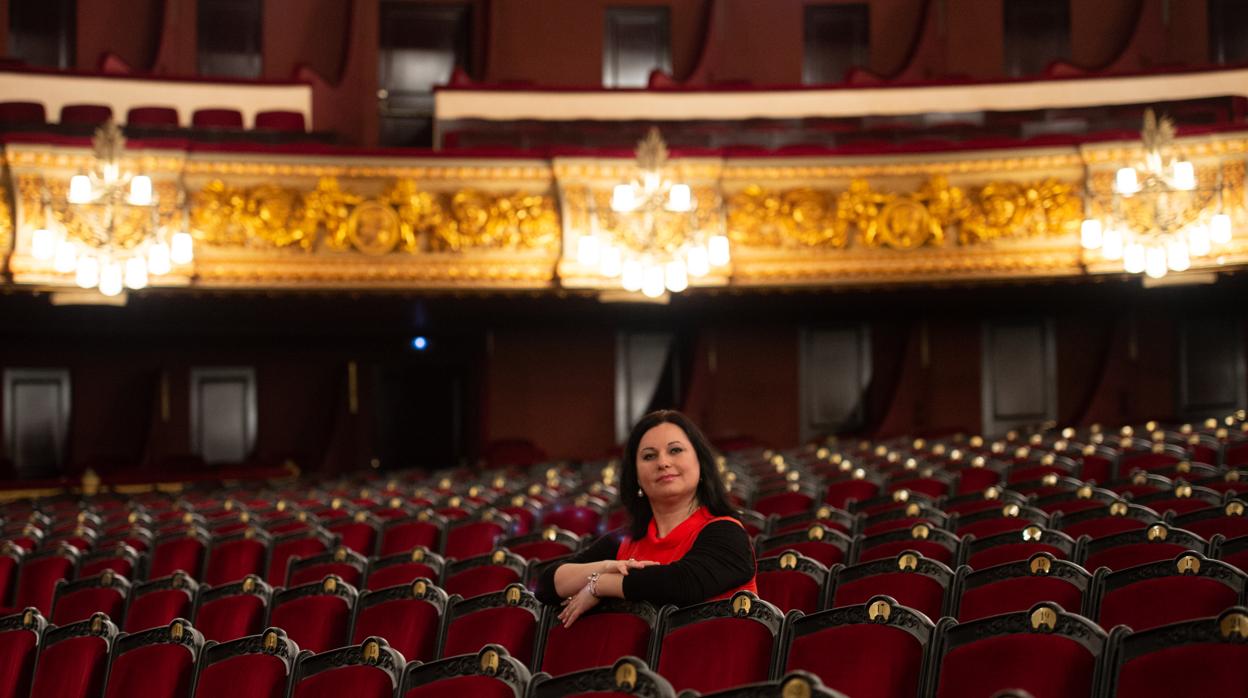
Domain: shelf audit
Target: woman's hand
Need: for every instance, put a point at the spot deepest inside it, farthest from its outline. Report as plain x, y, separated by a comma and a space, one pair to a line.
576, 605
622, 567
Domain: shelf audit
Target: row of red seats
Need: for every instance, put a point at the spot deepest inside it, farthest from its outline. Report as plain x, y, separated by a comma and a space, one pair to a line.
877, 649
34, 113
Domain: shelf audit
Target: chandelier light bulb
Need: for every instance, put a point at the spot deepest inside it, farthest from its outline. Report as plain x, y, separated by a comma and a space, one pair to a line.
136, 272
631, 276
698, 261
1198, 244
680, 198
611, 261
110, 277
66, 260
42, 244
676, 277
158, 258
650, 181
1184, 175
717, 252
1126, 182
88, 273
623, 198
1111, 245
1090, 234
1155, 262
79, 189
1220, 229
112, 172
182, 250
1177, 256
141, 190
587, 250
1134, 258
653, 282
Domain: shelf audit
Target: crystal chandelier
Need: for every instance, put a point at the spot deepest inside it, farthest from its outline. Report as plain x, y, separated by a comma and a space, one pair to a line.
111, 237
1157, 218
653, 241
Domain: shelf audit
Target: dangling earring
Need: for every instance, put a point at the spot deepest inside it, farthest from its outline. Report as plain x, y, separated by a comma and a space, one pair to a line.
640, 493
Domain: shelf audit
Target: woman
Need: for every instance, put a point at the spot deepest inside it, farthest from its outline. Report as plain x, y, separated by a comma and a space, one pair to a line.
683, 544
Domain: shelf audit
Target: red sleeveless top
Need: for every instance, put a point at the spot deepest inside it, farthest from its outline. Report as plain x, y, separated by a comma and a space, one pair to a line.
676, 543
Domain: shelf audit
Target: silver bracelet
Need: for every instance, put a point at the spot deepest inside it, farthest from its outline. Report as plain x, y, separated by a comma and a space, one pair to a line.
593, 584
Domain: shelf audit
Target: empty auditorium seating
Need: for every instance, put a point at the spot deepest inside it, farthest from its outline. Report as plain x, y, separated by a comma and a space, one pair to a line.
550, 542
347, 564
39, 573
792, 581
740, 632
490, 672
1101, 521
154, 663
909, 579
119, 557
426, 529
405, 567
316, 616
20, 636
152, 116
360, 532
483, 574
794, 683
510, 618
279, 120
235, 555
179, 550
1012, 546
981, 657
80, 599
1202, 657
879, 647
628, 675
367, 670
159, 601
232, 611
613, 629
1229, 521
1159, 593
933, 543
408, 617
1017, 586
217, 118
73, 659
818, 542
1128, 549
256, 666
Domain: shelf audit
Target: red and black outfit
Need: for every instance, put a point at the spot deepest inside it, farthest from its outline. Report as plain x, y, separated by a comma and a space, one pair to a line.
706, 557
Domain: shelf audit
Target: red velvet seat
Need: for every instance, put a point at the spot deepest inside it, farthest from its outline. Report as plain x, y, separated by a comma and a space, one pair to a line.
1011, 517
73, 659
237, 555
613, 629
932, 543
11, 556
78, 600
86, 114
426, 529
583, 518
368, 670
508, 618
488, 673
160, 601
39, 573
409, 617
1013, 546
789, 501
152, 116
627, 676
1156, 543
1077, 500
155, 663
740, 632
839, 494
904, 517
1183, 499
982, 500
477, 535
232, 611
279, 120
360, 533
305, 543
405, 568
1202, 657
19, 642
548, 543
830, 516
316, 616
863, 638
1045, 651
483, 574
792, 581
909, 579
1117, 517
258, 666
342, 561
217, 118
1234, 551
1188, 587
1017, 586
25, 113
119, 557
1229, 521
799, 683
818, 542
179, 551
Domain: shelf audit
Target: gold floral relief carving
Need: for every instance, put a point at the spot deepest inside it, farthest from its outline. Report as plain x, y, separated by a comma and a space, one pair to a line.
935, 214
670, 231
403, 218
6, 219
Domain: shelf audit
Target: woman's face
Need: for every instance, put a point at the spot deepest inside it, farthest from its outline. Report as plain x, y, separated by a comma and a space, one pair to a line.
667, 465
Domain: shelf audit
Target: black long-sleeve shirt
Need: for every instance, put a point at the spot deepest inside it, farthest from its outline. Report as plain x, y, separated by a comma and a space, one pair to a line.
720, 559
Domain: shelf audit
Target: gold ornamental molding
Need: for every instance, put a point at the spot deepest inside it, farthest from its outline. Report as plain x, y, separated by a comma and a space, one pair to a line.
283, 221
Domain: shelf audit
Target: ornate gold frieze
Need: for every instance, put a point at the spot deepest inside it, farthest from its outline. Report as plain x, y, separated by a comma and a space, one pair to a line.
44, 202
936, 214
404, 218
6, 220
